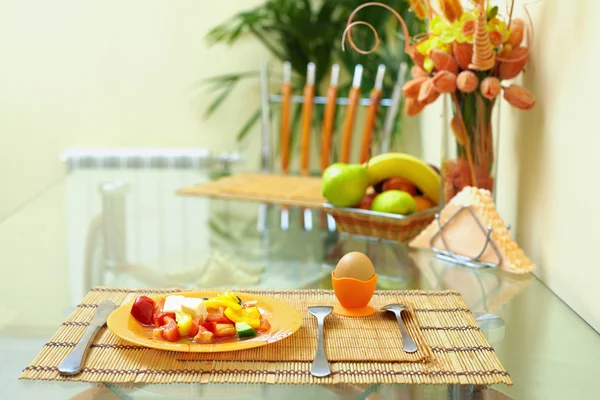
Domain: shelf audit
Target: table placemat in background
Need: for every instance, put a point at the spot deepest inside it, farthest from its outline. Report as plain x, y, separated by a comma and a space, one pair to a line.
289, 190
452, 349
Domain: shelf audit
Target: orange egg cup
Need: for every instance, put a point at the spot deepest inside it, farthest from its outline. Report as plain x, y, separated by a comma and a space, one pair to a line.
354, 296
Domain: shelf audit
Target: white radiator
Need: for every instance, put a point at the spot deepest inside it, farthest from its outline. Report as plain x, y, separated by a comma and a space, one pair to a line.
122, 209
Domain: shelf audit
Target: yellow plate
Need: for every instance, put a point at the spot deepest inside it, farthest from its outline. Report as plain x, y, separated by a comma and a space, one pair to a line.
284, 320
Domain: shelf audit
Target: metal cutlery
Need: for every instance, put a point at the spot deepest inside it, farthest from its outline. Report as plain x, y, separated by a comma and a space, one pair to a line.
320, 366
73, 363
408, 344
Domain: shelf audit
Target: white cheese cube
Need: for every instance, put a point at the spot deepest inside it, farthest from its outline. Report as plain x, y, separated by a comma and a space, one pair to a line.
173, 303
194, 306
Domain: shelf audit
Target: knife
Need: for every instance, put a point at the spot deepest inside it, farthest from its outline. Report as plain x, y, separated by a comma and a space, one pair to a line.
73, 363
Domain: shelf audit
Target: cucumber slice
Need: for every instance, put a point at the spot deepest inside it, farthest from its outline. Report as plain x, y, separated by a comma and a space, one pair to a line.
244, 330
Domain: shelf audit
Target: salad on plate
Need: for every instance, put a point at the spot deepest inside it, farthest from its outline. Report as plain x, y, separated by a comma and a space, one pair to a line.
219, 319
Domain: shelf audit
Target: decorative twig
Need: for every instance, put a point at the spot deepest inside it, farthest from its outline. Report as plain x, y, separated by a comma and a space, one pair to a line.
510, 13
351, 24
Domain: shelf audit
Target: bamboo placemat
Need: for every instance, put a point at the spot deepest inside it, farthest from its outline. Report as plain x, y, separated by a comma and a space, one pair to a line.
290, 190
452, 349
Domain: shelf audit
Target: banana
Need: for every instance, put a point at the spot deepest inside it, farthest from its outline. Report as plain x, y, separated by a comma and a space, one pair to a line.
400, 165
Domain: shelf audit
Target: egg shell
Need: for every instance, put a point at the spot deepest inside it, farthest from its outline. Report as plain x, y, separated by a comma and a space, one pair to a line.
355, 265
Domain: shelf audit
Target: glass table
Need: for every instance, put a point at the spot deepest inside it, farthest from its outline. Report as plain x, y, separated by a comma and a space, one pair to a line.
127, 227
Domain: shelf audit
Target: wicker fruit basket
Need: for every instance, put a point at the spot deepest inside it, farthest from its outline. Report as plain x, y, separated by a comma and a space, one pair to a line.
401, 228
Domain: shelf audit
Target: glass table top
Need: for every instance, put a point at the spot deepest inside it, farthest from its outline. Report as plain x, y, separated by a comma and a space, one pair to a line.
128, 228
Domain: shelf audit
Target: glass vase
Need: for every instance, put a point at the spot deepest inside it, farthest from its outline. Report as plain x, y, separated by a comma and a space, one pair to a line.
471, 124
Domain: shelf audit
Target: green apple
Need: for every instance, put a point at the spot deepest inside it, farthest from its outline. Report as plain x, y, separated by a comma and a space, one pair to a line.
394, 202
344, 185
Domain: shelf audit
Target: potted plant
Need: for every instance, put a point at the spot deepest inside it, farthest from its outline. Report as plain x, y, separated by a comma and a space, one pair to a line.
301, 31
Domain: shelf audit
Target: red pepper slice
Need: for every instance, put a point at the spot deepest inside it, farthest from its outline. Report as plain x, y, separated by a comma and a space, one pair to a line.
196, 326
159, 318
210, 326
219, 318
170, 332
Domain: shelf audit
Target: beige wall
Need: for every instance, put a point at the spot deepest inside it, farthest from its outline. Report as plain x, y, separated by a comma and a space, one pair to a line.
110, 73
557, 153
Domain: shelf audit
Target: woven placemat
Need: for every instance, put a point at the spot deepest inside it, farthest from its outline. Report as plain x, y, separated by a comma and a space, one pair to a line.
452, 349
290, 190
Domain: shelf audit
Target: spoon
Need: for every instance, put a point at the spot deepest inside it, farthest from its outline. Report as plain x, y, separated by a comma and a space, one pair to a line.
407, 343
320, 366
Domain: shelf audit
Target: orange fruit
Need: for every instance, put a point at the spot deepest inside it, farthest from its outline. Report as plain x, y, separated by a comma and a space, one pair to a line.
400, 184
423, 203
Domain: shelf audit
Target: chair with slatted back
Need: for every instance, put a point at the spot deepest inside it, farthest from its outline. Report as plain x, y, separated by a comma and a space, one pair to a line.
331, 101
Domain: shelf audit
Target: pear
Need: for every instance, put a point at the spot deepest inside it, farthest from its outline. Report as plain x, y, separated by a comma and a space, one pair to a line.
344, 185
394, 202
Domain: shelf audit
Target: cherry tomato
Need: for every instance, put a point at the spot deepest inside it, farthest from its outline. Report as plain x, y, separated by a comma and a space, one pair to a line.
219, 318
265, 326
143, 310
159, 318
170, 332
225, 330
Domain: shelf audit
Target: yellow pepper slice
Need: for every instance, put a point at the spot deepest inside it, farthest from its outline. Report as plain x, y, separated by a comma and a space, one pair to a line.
250, 315
222, 301
231, 296
252, 312
234, 315
184, 323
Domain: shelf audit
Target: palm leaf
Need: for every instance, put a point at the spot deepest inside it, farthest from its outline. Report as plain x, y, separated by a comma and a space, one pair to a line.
225, 92
226, 78
241, 135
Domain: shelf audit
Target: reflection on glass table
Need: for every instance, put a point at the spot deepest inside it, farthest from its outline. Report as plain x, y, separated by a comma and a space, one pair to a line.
232, 253
143, 235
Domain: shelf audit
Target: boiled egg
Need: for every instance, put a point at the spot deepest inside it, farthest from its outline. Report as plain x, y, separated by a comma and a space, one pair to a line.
355, 265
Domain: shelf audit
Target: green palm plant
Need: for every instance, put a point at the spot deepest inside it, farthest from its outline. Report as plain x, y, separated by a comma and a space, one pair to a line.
301, 31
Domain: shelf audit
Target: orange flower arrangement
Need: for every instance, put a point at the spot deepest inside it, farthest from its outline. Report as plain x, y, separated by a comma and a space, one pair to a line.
468, 54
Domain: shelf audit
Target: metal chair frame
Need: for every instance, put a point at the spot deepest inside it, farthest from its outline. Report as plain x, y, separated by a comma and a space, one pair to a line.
267, 151
266, 99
